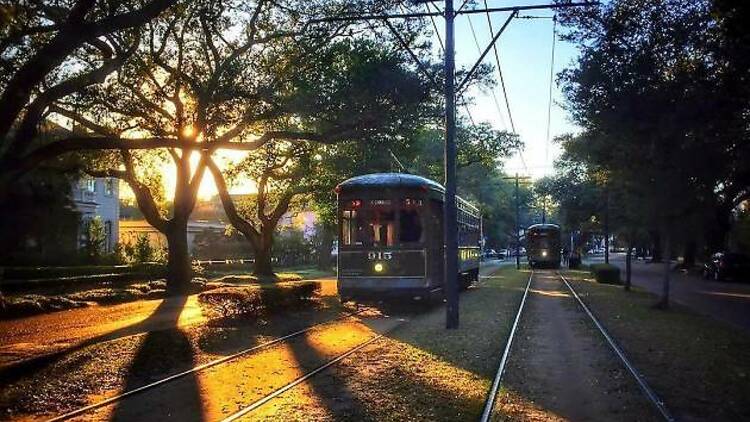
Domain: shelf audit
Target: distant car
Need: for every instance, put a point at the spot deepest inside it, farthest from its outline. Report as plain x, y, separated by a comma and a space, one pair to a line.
335, 253
502, 254
490, 254
723, 265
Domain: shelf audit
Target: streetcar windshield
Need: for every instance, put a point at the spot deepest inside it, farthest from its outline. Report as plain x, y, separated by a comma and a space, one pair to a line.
543, 239
379, 224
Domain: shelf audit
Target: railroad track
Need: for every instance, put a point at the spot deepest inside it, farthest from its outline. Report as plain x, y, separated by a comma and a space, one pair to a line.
267, 398
652, 397
196, 369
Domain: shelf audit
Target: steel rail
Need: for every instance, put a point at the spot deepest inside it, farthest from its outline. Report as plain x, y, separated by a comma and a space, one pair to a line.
647, 390
260, 402
193, 370
490, 403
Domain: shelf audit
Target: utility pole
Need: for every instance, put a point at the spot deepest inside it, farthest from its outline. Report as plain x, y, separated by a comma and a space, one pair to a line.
450, 226
518, 217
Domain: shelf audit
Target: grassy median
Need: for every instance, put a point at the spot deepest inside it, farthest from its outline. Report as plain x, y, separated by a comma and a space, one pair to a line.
420, 371
699, 366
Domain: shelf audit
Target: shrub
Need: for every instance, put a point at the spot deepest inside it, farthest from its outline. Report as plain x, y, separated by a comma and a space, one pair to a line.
252, 301
36, 304
606, 273
32, 273
95, 239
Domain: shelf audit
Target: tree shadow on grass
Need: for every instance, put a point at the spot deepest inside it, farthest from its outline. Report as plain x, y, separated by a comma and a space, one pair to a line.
162, 352
67, 375
167, 311
344, 405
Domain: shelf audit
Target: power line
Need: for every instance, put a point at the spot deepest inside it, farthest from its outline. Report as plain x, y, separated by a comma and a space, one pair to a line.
500, 71
492, 92
434, 26
442, 48
502, 84
551, 82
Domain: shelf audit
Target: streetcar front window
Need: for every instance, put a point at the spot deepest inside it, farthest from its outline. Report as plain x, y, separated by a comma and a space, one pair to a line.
411, 226
368, 227
382, 222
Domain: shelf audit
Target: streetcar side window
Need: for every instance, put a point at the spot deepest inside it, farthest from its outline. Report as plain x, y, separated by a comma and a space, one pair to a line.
349, 227
410, 226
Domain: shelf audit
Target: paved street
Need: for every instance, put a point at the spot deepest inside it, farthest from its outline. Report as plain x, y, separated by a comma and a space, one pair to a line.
725, 300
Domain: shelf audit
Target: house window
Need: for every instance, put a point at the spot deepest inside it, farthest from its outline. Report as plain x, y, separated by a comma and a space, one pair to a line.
109, 187
88, 184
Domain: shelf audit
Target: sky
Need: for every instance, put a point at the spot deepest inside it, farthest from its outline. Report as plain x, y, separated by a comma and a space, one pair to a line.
525, 50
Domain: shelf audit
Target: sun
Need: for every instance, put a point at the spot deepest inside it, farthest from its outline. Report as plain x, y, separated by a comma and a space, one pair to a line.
207, 188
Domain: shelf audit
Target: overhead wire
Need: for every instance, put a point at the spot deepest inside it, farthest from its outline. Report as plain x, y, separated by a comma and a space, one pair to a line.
492, 92
442, 49
500, 71
551, 83
502, 85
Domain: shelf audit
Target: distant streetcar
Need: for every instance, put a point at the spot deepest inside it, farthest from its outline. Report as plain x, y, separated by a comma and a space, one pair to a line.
391, 238
543, 245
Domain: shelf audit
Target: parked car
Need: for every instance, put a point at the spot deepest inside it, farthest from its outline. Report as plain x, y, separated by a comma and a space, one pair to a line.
723, 265
488, 254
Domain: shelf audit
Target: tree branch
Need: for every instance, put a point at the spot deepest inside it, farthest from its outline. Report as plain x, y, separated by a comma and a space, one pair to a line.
244, 226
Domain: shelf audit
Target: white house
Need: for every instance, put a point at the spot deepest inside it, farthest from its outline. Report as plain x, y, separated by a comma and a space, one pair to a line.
98, 197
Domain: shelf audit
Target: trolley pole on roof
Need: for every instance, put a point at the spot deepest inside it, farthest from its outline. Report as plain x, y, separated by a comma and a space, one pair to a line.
450, 226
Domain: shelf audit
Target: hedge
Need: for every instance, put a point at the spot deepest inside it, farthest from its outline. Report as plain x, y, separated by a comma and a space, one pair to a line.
606, 273
36, 273
251, 301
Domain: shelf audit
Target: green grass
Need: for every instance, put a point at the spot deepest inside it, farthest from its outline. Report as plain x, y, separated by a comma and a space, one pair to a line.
698, 365
308, 272
421, 371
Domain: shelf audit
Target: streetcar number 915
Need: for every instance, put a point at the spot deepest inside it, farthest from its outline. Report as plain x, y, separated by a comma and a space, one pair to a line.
380, 256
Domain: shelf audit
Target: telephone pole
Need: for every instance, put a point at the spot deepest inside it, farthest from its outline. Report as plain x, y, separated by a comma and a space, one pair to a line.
517, 178
450, 225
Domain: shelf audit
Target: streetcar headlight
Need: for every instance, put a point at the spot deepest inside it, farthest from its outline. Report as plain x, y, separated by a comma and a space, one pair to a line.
544, 253
379, 267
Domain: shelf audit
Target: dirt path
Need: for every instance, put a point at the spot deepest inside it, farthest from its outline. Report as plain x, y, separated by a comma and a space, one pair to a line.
560, 368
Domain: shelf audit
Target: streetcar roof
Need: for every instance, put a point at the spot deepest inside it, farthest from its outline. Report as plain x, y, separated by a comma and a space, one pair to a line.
397, 180
391, 180
538, 227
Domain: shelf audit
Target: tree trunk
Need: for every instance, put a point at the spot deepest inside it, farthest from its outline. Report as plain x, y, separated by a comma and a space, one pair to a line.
656, 251
717, 235
664, 300
628, 264
606, 226
689, 255
179, 269
263, 252
324, 249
